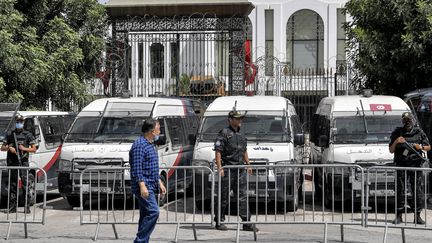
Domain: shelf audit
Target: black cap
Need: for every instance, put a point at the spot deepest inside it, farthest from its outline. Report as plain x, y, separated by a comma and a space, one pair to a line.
19, 118
235, 114
407, 115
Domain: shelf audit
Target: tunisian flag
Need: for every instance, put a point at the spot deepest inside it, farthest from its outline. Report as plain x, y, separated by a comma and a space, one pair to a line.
250, 69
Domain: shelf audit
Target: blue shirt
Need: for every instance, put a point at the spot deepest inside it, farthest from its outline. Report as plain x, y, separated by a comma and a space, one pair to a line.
144, 162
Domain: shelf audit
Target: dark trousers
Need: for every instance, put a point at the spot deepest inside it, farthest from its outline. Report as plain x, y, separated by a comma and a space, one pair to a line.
235, 180
149, 214
410, 182
15, 175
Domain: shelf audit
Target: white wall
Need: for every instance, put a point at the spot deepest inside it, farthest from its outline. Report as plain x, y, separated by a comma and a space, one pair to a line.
283, 9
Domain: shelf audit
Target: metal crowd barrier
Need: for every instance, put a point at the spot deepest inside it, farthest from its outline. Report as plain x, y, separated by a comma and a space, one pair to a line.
36, 184
277, 194
106, 199
383, 195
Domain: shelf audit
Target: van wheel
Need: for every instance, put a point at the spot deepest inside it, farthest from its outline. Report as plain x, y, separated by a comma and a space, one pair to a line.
74, 201
163, 198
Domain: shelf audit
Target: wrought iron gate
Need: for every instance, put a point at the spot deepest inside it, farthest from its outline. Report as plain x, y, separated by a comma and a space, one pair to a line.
196, 56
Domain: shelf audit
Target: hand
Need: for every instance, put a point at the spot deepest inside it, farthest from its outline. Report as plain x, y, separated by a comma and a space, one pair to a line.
222, 172
144, 192
21, 147
418, 146
400, 140
162, 188
12, 150
249, 170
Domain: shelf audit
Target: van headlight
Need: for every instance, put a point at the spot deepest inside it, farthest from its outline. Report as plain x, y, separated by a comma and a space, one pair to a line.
202, 163
65, 165
283, 166
3, 162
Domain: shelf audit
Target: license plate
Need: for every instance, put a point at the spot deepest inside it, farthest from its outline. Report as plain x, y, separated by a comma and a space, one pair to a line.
86, 188
382, 193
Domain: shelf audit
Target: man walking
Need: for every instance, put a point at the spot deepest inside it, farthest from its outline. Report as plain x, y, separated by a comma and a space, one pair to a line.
145, 181
231, 149
18, 144
404, 140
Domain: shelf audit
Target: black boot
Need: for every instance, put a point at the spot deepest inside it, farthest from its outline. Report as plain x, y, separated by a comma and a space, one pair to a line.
250, 227
418, 219
398, 219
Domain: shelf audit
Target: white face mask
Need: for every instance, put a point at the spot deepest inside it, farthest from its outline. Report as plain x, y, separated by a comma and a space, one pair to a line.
19, 125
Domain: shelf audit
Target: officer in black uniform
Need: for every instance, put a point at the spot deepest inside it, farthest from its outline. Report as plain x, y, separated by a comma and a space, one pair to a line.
231, 149
20, 143
404, 140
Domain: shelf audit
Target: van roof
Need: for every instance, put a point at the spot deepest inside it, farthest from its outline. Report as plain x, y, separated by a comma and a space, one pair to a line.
249, 103
43, 113
163, 107
352, 102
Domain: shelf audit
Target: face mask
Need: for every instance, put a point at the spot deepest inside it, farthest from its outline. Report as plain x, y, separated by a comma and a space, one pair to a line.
156, 137
19, 125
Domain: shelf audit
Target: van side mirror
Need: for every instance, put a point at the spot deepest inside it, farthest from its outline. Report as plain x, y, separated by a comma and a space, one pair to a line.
192, 139
161, 141
323, 141
299, 139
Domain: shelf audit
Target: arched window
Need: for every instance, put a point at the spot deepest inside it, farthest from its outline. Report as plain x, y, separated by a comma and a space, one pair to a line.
157, 60
305, 40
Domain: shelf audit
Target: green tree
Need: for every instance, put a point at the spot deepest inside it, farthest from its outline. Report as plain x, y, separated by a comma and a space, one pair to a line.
49, 48
392, 43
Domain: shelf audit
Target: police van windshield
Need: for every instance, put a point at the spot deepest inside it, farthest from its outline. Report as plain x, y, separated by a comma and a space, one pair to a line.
352, 129
111, 129
259, 128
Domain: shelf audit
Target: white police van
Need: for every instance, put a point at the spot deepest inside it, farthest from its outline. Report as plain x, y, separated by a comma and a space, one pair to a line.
103, 132
274, 134
48, 127
353, 129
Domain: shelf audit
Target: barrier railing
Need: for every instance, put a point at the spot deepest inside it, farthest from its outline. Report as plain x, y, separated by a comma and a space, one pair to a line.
109, 189
279, 195
398, 191
19, 189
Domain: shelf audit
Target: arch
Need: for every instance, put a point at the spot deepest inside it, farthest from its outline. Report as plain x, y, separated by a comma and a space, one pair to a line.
157, 60
305, 40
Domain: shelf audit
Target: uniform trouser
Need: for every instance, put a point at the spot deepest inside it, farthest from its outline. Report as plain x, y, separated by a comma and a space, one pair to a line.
236, 180
408, 181
15, 175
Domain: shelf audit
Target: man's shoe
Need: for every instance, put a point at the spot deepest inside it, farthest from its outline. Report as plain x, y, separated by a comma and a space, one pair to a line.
221, 227
27, 210
250, 227
418, 219
398, 219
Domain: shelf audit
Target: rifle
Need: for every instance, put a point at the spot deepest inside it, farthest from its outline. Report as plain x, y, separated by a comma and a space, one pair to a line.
425, 163
17, 149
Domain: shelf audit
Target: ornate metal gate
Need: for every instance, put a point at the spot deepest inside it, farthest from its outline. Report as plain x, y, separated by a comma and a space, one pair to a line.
197, 56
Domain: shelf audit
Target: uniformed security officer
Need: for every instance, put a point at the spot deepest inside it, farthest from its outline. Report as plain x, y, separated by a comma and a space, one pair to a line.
18, 144
405, 156
231, 149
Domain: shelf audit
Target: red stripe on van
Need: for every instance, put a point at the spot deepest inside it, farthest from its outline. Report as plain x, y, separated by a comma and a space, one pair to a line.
51, 162
176, 162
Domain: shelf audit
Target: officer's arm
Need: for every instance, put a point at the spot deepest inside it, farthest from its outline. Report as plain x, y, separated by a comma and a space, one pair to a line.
4, 147
32, 149
218, 158
246, 157
427, 148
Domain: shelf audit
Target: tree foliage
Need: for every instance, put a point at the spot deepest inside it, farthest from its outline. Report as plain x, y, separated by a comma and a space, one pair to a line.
48, 49
392, 40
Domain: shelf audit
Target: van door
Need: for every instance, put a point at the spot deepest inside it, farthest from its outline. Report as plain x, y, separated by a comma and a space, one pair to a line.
51, 130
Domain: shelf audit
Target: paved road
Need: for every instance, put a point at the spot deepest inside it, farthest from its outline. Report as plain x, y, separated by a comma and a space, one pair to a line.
63, 225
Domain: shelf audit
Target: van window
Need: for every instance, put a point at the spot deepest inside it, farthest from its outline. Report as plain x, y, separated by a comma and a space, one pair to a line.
191, 125
352, 129
175, 131
52, 129
255, 128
